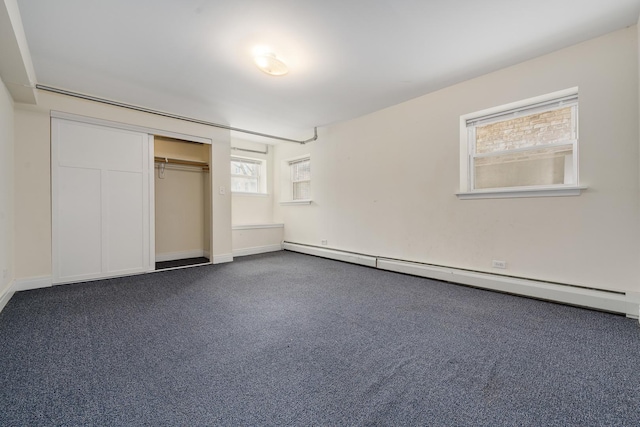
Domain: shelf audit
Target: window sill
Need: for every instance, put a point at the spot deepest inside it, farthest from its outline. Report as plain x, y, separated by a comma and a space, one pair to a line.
242, 193
505, 193
296, 202
256, 226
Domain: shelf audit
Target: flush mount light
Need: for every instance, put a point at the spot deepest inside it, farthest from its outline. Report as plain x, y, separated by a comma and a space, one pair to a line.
268, 63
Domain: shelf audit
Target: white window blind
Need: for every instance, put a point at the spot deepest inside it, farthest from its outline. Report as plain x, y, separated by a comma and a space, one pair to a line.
301, 179
524, 111
533, 145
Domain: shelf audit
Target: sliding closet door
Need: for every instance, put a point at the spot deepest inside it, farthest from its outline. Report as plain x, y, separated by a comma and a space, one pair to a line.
100, 201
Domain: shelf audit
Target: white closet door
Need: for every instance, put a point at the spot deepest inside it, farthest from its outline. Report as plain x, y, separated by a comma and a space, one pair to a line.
100, 201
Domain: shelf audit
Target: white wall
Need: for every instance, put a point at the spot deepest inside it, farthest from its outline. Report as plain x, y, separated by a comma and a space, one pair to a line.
384, 184
254, 240
254, 209
6, 189
32, 174
248, 208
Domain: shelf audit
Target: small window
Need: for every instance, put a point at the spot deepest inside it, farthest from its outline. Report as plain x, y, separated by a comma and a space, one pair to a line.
246, 175
534, 145
300, 179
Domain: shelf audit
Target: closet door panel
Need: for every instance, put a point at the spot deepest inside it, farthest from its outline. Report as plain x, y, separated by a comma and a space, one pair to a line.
126, 222
100, 147
100, 201
79, 222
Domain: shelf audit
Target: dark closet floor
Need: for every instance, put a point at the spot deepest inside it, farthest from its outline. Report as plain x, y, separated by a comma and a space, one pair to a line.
181, 263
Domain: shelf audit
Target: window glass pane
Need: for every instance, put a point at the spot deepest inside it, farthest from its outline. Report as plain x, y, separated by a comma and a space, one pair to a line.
239, 167
301, 190
244, 184
540, 166
537, 129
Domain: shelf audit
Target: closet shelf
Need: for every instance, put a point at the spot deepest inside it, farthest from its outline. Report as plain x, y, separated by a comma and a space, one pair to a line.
169, 160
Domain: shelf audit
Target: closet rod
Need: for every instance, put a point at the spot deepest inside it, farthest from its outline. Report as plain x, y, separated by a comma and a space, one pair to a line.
173, 116
168, 160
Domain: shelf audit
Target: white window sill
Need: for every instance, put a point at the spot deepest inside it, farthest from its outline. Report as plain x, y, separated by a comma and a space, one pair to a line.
296, 202
242, 193
255, 226
504, 193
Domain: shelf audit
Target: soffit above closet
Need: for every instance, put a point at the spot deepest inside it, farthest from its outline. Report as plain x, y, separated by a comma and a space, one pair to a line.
345, 58
179, 149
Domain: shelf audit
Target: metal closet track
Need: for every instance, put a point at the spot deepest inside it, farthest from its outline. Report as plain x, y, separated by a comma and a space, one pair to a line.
173, 116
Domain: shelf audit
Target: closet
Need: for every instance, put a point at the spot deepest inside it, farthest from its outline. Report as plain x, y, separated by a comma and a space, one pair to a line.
182, 203
125, 201
100, 199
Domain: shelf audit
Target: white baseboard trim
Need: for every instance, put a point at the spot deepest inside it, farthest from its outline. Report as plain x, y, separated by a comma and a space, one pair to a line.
29, 283
6, 295
634, 299
219, 259
617, 302
170, 256
257, 250
353, 258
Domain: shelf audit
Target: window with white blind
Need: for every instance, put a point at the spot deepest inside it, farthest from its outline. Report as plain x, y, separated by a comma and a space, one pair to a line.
247, 175
529, 147
300, 179
295, 181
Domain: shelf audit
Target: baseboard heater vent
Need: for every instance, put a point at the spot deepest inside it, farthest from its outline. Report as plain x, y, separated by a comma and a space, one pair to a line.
354, 258
615, 302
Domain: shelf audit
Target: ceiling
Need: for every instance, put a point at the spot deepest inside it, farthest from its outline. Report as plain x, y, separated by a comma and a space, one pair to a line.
346, 57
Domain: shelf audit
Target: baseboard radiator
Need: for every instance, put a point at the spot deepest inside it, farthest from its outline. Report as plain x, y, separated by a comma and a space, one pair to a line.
615, 302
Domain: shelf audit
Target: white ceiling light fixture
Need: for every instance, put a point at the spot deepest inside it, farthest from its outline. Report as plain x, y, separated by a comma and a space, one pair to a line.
268, 63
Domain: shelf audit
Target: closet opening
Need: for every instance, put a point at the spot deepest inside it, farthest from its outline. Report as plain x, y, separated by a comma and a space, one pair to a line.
182, 202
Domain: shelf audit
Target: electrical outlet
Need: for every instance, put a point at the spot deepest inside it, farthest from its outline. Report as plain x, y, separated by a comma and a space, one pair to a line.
324, 243
498, 264
5, 273
222, 190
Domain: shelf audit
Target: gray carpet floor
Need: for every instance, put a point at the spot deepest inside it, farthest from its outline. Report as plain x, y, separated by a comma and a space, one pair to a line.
290, 339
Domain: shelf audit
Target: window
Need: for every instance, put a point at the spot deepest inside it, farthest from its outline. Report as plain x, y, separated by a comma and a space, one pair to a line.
246, 175
295, 181
300, 179
530, 146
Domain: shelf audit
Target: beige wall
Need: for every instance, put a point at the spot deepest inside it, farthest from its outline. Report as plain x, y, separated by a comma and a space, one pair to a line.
180, 210
6, 189
253, 209
32, 192
32, 174
182, 150
384, 184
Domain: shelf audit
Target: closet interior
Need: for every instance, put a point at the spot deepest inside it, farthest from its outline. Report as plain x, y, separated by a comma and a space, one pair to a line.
182, 203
